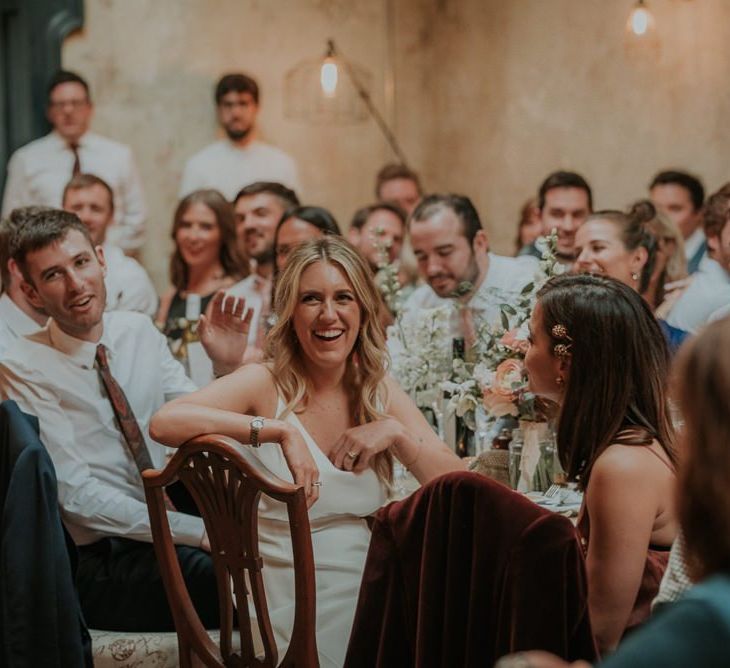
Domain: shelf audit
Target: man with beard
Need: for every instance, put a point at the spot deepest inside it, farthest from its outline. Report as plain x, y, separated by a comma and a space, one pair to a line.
258, 208
452, 251
240, 159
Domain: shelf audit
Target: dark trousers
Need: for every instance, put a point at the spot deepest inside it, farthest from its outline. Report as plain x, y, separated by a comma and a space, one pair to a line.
120, 587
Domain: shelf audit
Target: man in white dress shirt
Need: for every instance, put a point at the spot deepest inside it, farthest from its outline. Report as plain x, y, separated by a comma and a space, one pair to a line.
681, 196
708, 295
258, 208
128, 287
452, 251
39, 171
18, 317
55, 375
241, 158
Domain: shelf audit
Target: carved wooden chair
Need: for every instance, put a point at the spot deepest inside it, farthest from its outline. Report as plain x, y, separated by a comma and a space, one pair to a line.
226, 482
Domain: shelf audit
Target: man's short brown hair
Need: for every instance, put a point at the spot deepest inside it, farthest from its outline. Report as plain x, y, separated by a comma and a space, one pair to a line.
394, 171
716, 212
83, 181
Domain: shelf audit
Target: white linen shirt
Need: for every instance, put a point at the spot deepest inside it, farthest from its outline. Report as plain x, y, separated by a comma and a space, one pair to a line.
52, 375
39, 171
708, 292
128, 287
251, 289
14, 323
228, 168
506, 276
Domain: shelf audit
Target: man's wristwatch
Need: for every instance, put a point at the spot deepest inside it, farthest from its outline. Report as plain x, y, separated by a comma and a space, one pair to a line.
257, 424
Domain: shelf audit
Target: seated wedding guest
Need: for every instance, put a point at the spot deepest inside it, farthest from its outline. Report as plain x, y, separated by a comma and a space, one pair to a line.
300, 224
241, 158
452, 251
38, 172
681, 196
128, 287
377, 231
257, 209
564, 201
598, 352
694, 631
86, 376
709, 290
321, 412
529, 226
399, 185
205, 259
670, 266
18, 317
622, 246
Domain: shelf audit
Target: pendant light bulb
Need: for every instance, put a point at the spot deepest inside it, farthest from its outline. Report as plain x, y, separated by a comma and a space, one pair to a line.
640, 20
329, 74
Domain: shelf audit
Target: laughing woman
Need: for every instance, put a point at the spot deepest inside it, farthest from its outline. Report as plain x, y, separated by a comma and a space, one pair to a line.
328, 418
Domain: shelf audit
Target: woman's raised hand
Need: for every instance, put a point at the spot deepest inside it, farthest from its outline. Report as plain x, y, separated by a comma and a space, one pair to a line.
358, 445
223, 331
301, 463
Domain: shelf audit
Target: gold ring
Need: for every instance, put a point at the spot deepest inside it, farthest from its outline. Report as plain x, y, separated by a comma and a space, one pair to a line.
317, 483
352, 455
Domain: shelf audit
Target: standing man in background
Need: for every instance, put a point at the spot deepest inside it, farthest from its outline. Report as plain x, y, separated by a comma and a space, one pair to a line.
39, 171
240, 159
400, 185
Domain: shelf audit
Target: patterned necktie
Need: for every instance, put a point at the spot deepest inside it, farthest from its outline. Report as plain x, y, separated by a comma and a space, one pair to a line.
123, 412
77, 161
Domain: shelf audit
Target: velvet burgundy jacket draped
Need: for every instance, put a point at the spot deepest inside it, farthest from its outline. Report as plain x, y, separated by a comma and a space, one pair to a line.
465, 571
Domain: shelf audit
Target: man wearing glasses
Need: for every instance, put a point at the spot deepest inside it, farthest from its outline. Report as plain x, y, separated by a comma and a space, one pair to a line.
39, 171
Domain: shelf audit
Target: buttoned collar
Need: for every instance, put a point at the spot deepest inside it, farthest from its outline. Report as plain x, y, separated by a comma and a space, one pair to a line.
82, 353
63, 143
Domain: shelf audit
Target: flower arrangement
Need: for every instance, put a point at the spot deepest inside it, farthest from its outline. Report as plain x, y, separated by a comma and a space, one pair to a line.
495, 377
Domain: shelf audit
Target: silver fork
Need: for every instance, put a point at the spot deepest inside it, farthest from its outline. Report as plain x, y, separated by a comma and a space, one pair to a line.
553, 490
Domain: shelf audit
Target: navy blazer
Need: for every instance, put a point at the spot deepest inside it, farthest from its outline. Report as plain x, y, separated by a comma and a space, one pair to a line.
40, 618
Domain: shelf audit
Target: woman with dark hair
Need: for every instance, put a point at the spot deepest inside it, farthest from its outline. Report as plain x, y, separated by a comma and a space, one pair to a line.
598, 352
205, 259
300, 224
625, 246
695, 631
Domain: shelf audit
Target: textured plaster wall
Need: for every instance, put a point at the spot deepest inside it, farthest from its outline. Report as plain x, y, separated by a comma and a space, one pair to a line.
489, 95
152, 66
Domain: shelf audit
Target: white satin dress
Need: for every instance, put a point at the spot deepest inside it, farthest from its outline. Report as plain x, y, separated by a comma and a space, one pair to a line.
340, 540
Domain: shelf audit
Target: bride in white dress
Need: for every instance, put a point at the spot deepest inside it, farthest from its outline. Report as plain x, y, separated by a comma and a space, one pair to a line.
327, 417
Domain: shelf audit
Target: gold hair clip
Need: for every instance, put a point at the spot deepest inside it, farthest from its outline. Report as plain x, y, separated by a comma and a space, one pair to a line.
561, 349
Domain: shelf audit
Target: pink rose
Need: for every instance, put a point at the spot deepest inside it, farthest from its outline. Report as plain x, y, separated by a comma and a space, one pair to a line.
513, 343
508, 377
499, 405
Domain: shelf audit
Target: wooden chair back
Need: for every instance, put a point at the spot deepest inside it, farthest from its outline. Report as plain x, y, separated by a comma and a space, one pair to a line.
226, 481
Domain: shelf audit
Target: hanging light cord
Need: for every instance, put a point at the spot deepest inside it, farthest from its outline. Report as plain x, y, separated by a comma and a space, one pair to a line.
367, 100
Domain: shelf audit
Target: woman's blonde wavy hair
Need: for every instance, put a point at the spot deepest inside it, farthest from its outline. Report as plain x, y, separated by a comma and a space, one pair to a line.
368, 361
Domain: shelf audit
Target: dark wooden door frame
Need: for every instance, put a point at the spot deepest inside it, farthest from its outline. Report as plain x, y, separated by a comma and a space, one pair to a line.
31, 36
